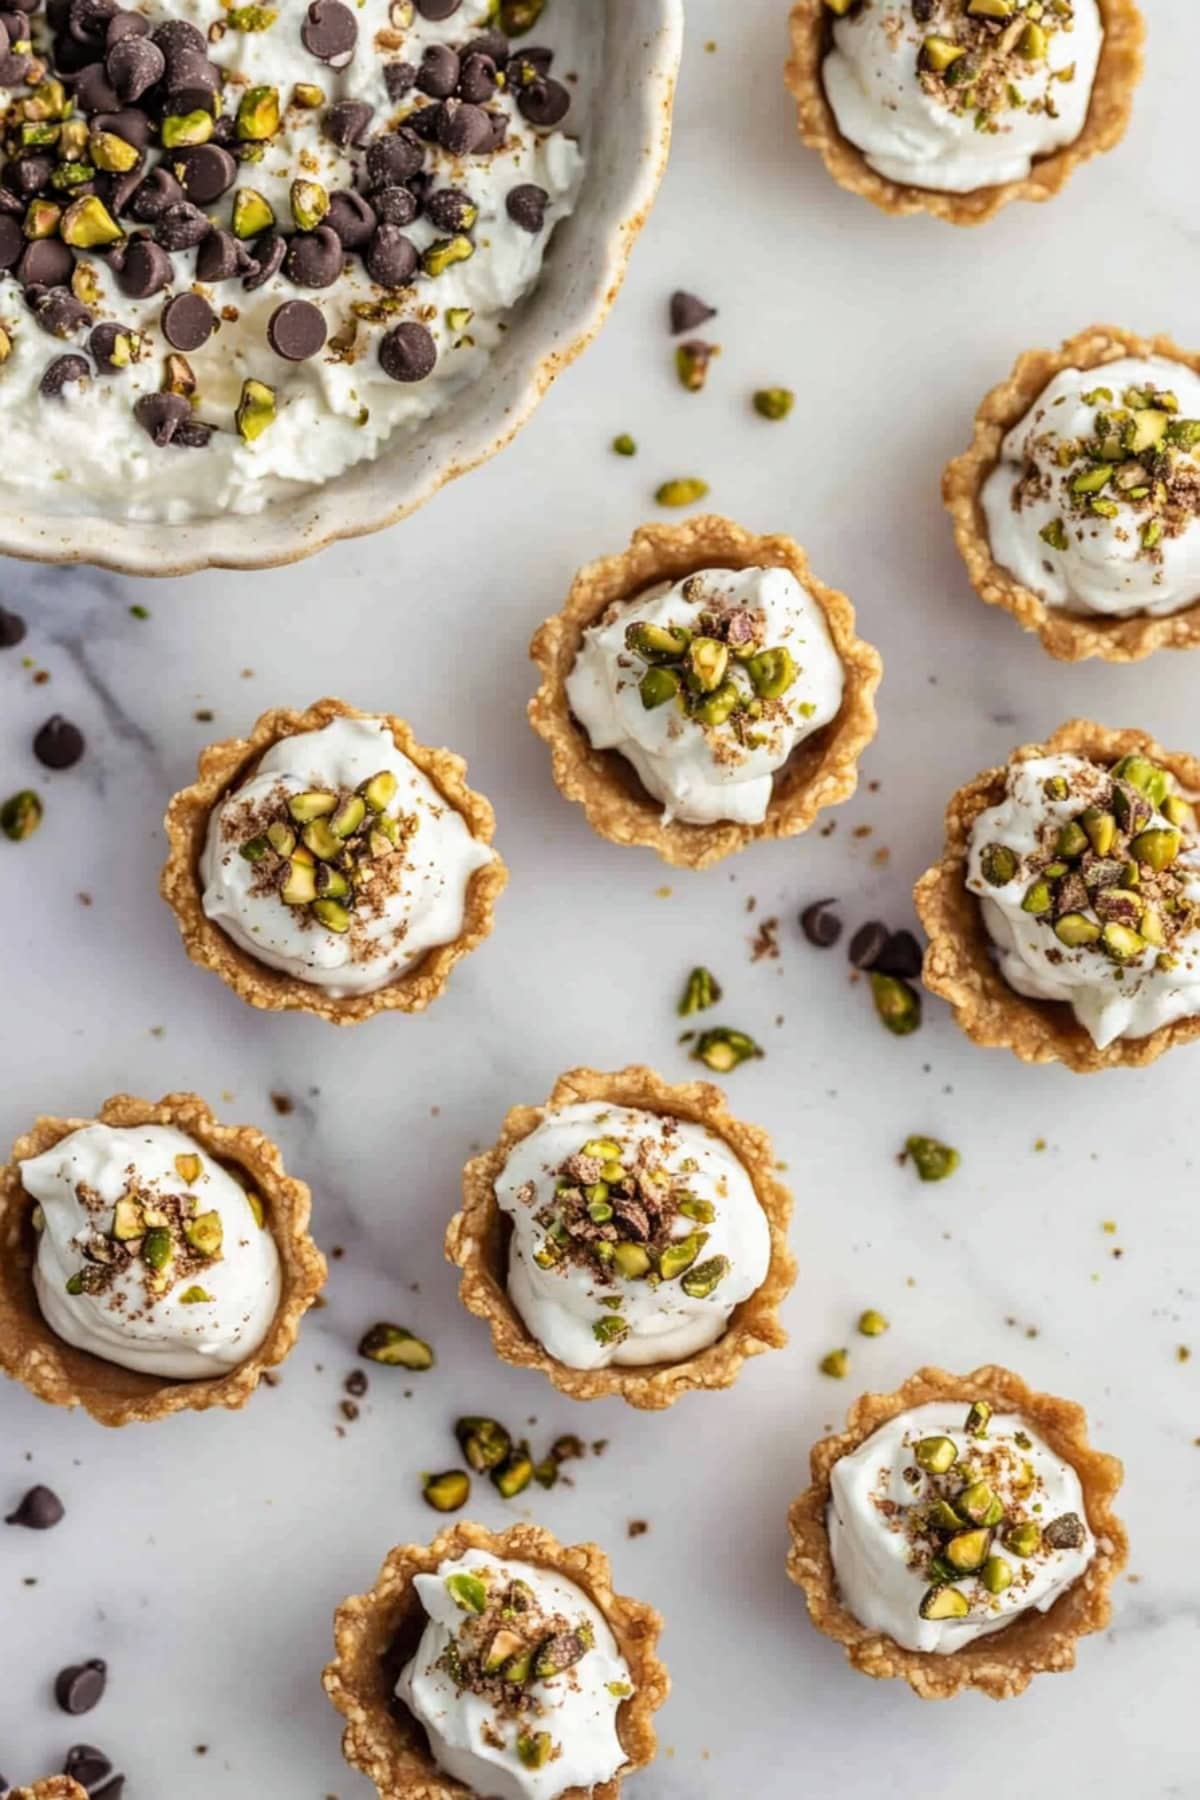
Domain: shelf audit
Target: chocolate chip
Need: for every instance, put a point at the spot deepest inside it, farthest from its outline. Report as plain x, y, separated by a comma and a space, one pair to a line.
464, 129
219, 257
477, 79
451, 210
528, 63
111, 1790
544, 103
161, 415
267, 260
296, 330
352, 217
133, 65
821, 927
868, 944
206, 171
438, 74
391, 259
395, 206
329, 32
902, 956
58, 312
103, 343
159, 191
399, 78
88, 1766
126, 24
193, 83
177, 35
346, 121
12, 632
408, 352
526, 206
118, 190
315, 258
81, 1687
94, 92
423, 121
182, 227
688, 311
39, 1510
132, 126
13, 70
29, 174
392, 158
87, 20
47, 262
146, 269
188, 321
192, 434
437, 9
12, 241
58, 745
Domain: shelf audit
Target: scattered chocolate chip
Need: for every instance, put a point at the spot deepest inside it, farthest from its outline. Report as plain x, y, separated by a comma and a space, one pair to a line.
423, 121
868, 944
59, 744
356, 1383
159, 191
161, 415
58, 312
688, 311
269, 252
193, 83
105, 347
47, 262
352, 217
464, 129
39, 1510
902, 956
526, 206
544, 103
193, 434
315, 258
346, 121
176, 36
477, 79
439, 71
12, 241
126, 24
821, 927
92, 1770
220, 257
188, 321
391, 258
394, 206
437, 9
133, 65
62, 373
81, 1687
182, 227
146, 269
296, 330
12, 632
399, 78
94, 92
393, 158
451, 210
407, 352
329, 32
492, 44
128, 123
206, 172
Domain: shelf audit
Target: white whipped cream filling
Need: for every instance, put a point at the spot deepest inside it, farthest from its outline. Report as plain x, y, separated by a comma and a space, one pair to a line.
909, 135
577, 1708
87, 452
1110, 1001
424, 908
706, 774
160, 1334
882, 1582
1104, 568
561, 1305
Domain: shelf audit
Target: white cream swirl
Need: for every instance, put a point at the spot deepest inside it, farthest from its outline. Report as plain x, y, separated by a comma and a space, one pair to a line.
569, 1305
1111, 1000
703, 773
1099, 562
914, 131
879, 1494
175, 1332
421, 899
474, 1743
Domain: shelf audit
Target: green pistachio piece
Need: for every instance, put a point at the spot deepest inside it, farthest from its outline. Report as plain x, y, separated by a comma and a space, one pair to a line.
1184, 433
835, 1363
979, 1504
706, 660
1093, 480
128, 1220
1072, 841
87, 223
20, 815
897, 1004
299, 885
1024, 1539
602, 1149
1121, 943
258, 114
252, 18
631, 1260
702, 991
944, 1603
255, 849
111, 153
443, 254
75, 1283
933, 1160
467, 1591
657, 643
1076, 930
704, 1278
1146, 776
348, 817
701, 1212
624, 445
967, 1551
1034, 42
157, 1249
683, 491
534, 1748
252, 213
657, 687
1100, 829
320, 838
1055, 534
1176, 811
1039, 899
189, 1168
514, 1475
718, 707
545, 1473
872, 1323
257, 1209
774, 402
447, 1492
941, 53
255, 410
519, 1667
205, 1233
379, 791
331, 884
517, 17
772, 672
1152, 534
1146, 431
395, 1348
41, 219
939, 1515
1152, 928
315, 804
281, 838
1157, 848
991, 9
996, 1574
722, 1049
309, 202
484, 1442
998, 864
979, 1417
935, 1454
308, 95
610, 1330
182, 130
194, 1296
691, 363
562, 1651
504, 1648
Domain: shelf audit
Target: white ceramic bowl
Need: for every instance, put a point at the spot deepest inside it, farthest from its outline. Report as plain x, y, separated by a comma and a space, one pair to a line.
627, 145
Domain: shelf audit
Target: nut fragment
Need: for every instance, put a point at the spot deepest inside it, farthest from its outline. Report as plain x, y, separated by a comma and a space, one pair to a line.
447, 1492
396, 1348
20, 815
932, 1160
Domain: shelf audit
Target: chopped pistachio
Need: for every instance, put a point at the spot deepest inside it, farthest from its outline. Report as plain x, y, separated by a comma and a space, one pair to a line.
157, 1249
657, 687
722, 1049
702, 991
624, 445
967, 1551
443, 254
835, 1363
944, 1603
205, 1233
996, 1574
299, 885
716, 708
534, 1748
467, 1591
772, 672
706, 660
112, 153
979, 1417
252, 213
1156, 847
447, 1492
999, 864
484, 1442
1146, 776
308, 95
941, 53
395, 1348
513, 1475
252, 18
935, 1454
1121, 943
1055, 534
704, 1278
933, 1160
774, 402
1076, 930
610, 1330
685, 490
1024, 1539
128, 1220
631, 1260
979, 1504
257, 1209
255, 410
258, 114
872, 1323
1034, 42
180, 131
88, 224
309, 202
897, 1004
194, 1296
189, 1168
20, 815
691, 363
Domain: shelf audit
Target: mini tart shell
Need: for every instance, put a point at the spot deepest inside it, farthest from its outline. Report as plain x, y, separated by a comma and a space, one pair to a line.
376, 1633
959, 964
55, 1371
478, 1241
226, 766
822, 771
1071, 637
1003, 1663
1118, 73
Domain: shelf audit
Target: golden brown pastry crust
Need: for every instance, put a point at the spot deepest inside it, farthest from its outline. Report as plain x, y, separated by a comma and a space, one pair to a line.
1118, 74
1004, 1662
386, 1743
227, 765
1070, 637
55, 1787
477, 1240
959, 964
823, 770
55, 1371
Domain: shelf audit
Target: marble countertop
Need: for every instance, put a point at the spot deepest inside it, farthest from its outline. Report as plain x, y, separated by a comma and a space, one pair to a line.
203, 1557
